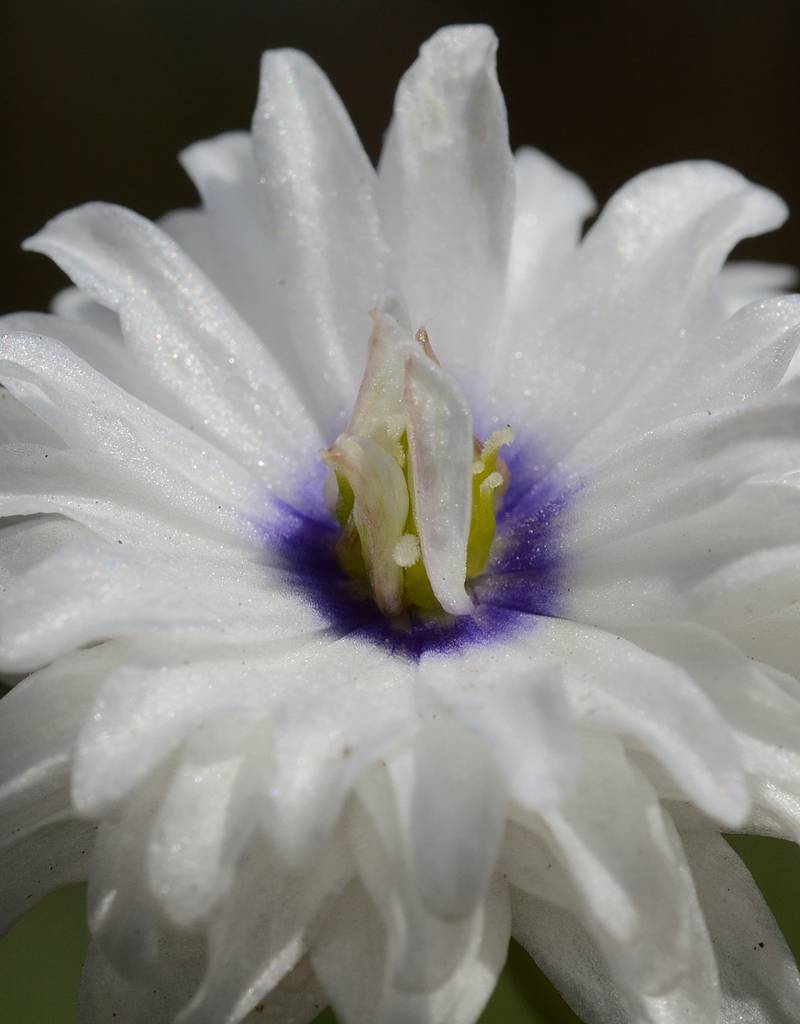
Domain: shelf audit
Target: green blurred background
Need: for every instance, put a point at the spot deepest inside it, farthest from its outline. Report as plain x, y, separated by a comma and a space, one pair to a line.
40, 959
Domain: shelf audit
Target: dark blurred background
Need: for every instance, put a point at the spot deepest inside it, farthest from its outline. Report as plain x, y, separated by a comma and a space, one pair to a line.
100, 95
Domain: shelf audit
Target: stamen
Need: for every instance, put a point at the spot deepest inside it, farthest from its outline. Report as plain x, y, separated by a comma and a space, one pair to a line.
407, 453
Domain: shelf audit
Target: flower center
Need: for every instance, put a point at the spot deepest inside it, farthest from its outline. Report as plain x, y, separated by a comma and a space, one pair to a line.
415, 493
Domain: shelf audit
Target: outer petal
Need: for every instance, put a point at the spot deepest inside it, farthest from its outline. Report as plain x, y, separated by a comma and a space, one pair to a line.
125, 594
155, 451
237, 235
616, 845
254, 943
614, 686
519, 712
318, 187
181, 331
105, 995
349, 958
447, 188
551, 206
642, 275
39, 723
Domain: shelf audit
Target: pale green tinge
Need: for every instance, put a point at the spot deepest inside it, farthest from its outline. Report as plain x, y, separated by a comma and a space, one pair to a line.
490, 479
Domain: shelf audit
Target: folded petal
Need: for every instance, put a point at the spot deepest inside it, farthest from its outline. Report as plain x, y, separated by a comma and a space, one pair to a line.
617, 687
318, 189
106, 995
614, 842
456, 817
519, 712
259, 935
447, 187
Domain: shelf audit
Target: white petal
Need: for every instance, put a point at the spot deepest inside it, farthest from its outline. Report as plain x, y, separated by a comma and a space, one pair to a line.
122, 593
318, 187
204, 820
685, 466
98, 492
614, 686
236, 231
577, 967
124, 914
39, 723
759, 976
447, 192
732, 562
520, 712
155, 451
551, 206
105, 995
713, 368
612, 839
259, 935
342, 710
17, 423
422, 950
456, 818
181, 331
643, 274
440, 454
101, 351
73, 304
349, 957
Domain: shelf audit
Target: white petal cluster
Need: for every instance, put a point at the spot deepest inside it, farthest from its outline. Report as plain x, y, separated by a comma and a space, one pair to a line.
275, 814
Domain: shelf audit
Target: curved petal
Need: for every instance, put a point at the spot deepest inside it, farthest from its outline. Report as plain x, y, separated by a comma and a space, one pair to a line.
421, 950
318, 188
154, 451
349, 958
446, 187
519, 712
643, 274
181, 331
456, 818
103, 352
39, 723
255, 942
551, 206
616, 687
105, 995
44, 615
237, 234
613, 840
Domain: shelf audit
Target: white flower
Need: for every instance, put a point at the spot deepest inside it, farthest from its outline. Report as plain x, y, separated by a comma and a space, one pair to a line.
284, 798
